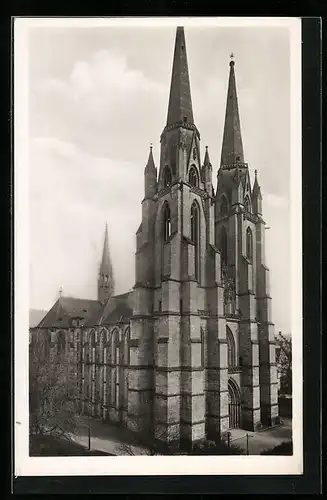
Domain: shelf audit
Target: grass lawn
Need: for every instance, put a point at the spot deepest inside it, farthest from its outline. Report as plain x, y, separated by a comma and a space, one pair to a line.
48, 446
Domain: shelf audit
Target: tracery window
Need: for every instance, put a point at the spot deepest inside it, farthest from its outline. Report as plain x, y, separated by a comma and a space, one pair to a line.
166, 222
231, 348
193, 177
223, 245
195, 235
249, 244
223, 205
167, 176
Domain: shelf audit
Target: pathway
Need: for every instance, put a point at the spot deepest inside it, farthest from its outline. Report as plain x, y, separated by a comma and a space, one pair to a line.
263, 440
108, 438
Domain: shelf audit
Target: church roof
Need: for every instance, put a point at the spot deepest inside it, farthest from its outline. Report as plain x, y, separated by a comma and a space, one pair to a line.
67, 308
89, 312
119, 309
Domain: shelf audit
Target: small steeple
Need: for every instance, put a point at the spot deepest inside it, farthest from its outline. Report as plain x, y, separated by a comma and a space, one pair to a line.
256, 195
232, 147
180, 102
207, 173
106, 283
150, 176
150, 163
206, 161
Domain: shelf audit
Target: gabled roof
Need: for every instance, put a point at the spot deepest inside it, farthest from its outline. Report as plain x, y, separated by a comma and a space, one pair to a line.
118, 309
67, 308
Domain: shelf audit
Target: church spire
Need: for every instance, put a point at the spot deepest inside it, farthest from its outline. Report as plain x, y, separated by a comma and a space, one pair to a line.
180, 102
106, 279
150, 176
232, 148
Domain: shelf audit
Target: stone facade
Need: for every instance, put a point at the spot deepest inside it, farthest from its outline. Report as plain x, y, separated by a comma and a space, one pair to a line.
190, 351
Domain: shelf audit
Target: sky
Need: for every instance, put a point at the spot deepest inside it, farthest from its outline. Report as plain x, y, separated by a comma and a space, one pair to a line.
98, 97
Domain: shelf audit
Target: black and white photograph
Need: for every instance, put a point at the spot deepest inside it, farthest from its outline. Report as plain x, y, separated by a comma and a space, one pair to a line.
158, 246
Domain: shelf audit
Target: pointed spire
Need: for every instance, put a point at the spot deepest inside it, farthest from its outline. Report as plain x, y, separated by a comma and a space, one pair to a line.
105, 263
180, 103
150, 164
256, 188
206, 161
106, 283
150, 177
232, 148
256, 196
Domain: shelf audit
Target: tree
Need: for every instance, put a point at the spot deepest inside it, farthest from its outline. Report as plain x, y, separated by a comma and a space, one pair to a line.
284, 362
53, 392
149, 438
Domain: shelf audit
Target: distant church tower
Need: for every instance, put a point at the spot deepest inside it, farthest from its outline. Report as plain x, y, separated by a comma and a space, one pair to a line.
106, 284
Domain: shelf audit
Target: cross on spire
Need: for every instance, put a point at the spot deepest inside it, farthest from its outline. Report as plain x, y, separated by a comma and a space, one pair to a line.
60, 291
232, 55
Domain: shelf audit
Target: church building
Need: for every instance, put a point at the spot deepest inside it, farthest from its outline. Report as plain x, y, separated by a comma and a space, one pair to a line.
189, 353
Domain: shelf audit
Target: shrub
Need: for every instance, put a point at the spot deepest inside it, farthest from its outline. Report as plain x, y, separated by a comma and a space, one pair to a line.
207, 447
285, 448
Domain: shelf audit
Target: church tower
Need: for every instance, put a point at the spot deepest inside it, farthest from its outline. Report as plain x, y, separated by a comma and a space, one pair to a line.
247, 303
106, 284
178, 291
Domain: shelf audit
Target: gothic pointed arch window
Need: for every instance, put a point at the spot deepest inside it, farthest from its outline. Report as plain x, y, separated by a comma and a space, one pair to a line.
61, 342
127, 335
247, 204
166, 222
116, 368
223, 205
193, 177
231, 348
223, 245
195, 213
167, 176
249, 244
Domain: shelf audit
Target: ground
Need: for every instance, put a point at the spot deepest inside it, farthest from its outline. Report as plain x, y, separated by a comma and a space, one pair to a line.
263, 440
109, 438
50, 446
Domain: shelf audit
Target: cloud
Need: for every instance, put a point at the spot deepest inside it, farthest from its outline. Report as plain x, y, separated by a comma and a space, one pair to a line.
72, 194
104, 76
275, 201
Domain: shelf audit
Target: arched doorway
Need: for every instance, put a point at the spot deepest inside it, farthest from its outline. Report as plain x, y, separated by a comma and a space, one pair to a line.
234, 405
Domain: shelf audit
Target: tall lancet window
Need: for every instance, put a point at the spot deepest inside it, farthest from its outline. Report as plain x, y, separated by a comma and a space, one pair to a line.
249, 244
166, 222
167, 176
223, 246
195, 236
193, 177
231, 348
247, 204
223, 205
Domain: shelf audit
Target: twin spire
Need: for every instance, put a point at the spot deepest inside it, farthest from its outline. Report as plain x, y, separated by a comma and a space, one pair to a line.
180, 103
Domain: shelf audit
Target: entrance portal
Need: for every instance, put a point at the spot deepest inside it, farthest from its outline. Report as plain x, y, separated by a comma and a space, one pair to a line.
234, 405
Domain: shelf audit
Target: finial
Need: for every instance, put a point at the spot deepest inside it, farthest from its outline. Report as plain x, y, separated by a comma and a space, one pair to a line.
232, 56
206, 147
150, 145
60, 291
255, 172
